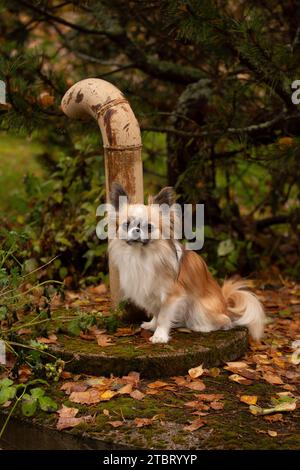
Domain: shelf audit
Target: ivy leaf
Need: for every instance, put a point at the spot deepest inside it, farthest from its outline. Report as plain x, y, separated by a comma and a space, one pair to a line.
6, 394
5, 383
47, 404
29, 405
225, 247
37, 392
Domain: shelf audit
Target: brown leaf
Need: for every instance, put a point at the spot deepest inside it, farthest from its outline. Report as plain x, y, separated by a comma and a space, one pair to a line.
181, 381
239, 379
196, 424
86, 337
24, 373
274, 418
98, 290
67, 418
52, 339
272, 378
126, 389
127, 331
210, 396
24, 331
196, 385
70, 387
157, 384
217, 405
116, 424
132, 378
137, 395
141, 422
103, 340
196, 372
88, 397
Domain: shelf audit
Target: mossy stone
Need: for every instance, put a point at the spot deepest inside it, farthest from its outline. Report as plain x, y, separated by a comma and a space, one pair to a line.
126, 354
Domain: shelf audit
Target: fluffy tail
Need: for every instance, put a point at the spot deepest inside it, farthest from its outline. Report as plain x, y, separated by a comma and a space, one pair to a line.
243, 307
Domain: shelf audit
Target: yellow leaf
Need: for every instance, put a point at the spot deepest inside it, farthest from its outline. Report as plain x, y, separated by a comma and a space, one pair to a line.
196, 372
249, 399
272, 433
105, 396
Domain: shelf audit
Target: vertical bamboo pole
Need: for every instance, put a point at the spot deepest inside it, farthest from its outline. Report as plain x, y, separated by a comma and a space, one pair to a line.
121, 141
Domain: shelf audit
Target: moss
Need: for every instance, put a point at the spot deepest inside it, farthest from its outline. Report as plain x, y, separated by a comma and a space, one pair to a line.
134, 353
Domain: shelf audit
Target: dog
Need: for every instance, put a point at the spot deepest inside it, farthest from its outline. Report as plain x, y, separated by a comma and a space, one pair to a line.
172, 284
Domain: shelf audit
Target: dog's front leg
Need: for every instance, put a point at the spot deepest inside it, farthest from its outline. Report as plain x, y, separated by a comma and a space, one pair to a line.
164, 323
149, 325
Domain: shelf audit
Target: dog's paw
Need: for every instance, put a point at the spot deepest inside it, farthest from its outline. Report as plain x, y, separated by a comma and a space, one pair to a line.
160, 336
149, 325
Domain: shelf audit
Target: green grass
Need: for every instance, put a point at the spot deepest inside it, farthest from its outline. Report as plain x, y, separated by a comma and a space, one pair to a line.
17, 158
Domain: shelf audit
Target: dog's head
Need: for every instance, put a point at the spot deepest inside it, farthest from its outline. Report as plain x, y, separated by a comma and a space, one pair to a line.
139, 224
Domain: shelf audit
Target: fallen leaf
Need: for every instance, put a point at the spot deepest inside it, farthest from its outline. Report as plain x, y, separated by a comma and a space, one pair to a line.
179, 380
116, 424
97, 381
70, 387
196, 372
197, 404
127, 389
274, 418
86, 337
105, 412
157, 384
197, 385
88, 397
272, 433
272, 378
210, 396
214, 372
249, 399
196, 424
137, 395
141, 422
67, 418
24, 373
52, 339
98, 290
239, 379
153, 391
127, 332
103, 340
108, 395
24, 331
132, 378
236, 365
287, 406
216, 405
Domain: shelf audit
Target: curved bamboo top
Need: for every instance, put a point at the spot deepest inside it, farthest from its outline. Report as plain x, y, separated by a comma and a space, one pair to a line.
101, 100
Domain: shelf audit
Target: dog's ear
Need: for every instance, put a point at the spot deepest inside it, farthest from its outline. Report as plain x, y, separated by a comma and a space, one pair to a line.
165, 196
117, 191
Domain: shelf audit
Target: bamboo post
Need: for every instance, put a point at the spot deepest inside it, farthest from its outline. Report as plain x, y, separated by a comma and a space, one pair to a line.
121, 141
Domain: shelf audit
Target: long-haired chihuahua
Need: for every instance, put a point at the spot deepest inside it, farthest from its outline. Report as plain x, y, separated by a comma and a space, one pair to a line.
172, 284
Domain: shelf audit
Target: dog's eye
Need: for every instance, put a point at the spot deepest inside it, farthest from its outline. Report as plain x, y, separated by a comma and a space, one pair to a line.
125, 225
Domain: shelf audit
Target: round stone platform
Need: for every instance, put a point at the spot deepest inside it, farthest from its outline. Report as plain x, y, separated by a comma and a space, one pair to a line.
136, 353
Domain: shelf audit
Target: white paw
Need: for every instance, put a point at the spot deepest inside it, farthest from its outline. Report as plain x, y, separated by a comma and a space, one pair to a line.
148, 325
160, 336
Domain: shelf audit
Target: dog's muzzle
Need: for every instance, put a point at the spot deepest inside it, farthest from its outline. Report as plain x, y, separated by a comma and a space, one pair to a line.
135, 235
